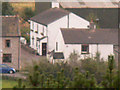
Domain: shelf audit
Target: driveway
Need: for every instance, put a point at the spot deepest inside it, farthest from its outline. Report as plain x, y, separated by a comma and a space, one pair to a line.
27, 58
16, 75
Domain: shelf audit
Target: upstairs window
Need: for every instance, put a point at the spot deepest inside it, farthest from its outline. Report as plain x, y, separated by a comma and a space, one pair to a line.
33, 25
7, 58
85, 49
43, 31
32, 40
7, 43
37, 28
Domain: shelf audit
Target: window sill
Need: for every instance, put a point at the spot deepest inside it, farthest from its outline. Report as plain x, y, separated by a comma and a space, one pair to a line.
85, 53
7, 62
7, 47
36, 31
32, 30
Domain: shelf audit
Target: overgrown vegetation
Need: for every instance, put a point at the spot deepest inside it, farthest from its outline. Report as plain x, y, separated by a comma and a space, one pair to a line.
24, 16
25, 33
87, 73
27, 14
7, 9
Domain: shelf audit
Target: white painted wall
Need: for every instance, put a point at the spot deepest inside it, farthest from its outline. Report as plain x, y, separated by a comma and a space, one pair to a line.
77, 22
54, 29
54, 32
41, 29
103, 49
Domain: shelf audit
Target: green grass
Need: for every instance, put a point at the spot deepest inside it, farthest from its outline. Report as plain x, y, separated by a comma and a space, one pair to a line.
8, 83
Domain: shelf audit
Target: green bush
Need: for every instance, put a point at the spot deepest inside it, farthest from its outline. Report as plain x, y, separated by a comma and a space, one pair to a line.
90, 73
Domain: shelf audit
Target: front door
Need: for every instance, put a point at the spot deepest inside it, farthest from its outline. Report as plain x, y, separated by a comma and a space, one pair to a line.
44, 49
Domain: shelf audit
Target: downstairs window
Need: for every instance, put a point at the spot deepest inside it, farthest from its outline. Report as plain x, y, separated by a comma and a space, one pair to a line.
7, 58
85, 49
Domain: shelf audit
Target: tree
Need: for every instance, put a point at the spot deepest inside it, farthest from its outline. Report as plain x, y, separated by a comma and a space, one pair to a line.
27, 14
111, 79
34, 77
7, 9
25, 33
19, 85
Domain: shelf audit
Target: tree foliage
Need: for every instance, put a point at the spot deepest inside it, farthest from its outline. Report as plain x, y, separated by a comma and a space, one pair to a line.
27, 13
46, 75
7, 9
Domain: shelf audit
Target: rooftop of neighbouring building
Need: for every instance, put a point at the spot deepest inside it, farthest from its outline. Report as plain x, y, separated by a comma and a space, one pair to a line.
10, 26
90, 36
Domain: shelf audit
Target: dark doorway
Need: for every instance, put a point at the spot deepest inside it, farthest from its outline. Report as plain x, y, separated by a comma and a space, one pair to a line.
44, 49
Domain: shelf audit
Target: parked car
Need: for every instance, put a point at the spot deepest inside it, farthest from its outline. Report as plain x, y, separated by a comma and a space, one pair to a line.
6, 69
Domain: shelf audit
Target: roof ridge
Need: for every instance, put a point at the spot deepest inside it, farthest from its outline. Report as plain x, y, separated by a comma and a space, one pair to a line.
48, 16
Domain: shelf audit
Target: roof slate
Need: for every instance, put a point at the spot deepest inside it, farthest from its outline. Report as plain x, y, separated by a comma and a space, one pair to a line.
10, 26
87, 36
49, 16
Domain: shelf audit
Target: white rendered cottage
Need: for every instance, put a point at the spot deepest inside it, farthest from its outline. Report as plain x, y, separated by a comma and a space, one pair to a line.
45, 28
87, 42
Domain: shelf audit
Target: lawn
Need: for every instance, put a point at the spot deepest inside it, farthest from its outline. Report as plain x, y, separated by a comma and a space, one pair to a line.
8, 83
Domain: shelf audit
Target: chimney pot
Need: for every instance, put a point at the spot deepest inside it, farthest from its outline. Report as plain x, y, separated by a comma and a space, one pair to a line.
55, 4
92, 25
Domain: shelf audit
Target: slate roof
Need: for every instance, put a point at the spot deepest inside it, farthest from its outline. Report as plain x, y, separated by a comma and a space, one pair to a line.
91, 4
49, 16
10, 26
87, 36
58, 55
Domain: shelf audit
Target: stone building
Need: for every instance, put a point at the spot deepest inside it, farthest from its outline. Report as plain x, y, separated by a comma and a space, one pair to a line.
10, 51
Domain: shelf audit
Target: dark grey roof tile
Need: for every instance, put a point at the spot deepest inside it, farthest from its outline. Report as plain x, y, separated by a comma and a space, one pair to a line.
87, 36
10, 26
49, 16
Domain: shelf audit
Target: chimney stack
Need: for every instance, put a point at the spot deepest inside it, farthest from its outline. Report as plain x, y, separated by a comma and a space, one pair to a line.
92, 25
55, 4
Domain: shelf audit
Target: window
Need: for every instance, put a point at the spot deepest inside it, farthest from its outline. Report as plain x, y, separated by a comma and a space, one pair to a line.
37, 27
33, 25
32, 40
7, 42
85, 49
7, 58
36, 45
56, 46
43, 30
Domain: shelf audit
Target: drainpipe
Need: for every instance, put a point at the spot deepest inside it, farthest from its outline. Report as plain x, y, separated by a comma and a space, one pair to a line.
47, 37
97, 47
68, 21
19, 53
19, 43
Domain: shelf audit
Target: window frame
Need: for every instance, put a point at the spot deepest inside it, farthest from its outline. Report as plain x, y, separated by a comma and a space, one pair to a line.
9, 56
8, 42
33, 26
37, 28
33, 41
86, 46
43, 30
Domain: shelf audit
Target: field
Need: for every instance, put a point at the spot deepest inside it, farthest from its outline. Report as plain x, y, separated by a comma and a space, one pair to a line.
19, 6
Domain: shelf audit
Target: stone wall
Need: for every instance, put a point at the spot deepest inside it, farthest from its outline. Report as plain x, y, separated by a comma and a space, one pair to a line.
14, 49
